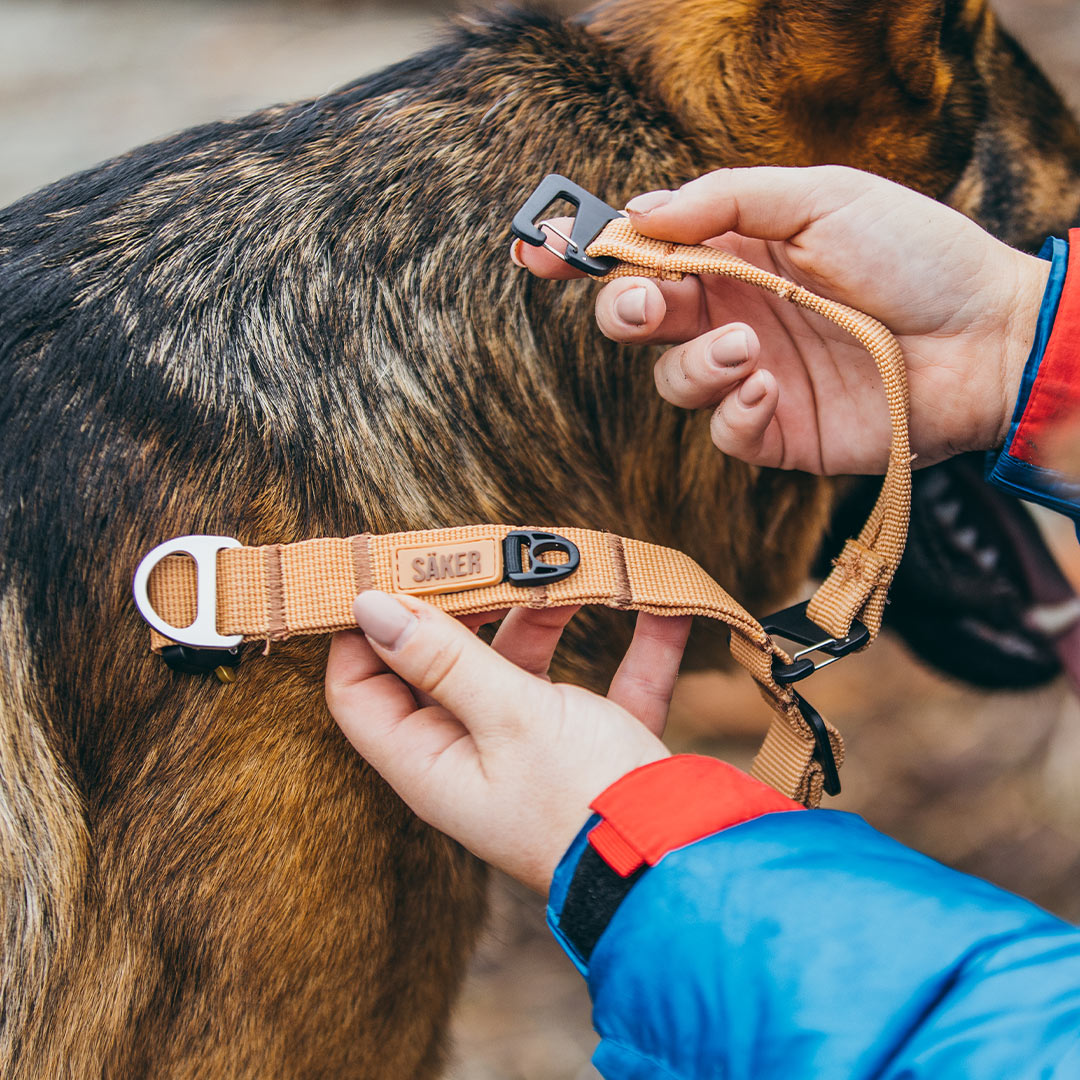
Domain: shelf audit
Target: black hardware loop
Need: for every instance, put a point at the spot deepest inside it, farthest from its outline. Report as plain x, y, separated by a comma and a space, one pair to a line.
537, 544
793, 624
190, 661
592, 215
823, 751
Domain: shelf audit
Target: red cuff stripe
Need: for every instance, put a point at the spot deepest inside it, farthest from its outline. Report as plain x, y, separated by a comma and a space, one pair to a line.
673, 802
1056, 393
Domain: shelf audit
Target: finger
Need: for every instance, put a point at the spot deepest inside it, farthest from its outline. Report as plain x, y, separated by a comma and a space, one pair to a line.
439, 657
483, 618
353, 666
542, 262
767, 203
744, 424
474, 622
630, 309
646, 678
529, 638
704, 371
645, 311
377, 711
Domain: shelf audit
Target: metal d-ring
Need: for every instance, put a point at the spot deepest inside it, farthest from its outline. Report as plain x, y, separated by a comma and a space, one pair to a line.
202, 633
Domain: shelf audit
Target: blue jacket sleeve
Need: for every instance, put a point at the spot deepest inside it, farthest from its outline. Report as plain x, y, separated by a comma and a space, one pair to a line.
810, 945
1015, 469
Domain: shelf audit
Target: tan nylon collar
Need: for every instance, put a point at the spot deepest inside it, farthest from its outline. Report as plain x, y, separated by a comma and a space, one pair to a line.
279, 591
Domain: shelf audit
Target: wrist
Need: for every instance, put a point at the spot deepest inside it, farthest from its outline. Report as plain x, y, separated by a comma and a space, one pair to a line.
555, 829
641, 819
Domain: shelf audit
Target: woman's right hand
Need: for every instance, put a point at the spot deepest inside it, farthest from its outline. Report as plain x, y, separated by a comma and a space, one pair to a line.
789, 389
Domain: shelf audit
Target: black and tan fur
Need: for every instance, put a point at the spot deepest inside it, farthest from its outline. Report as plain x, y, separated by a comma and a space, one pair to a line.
303, 323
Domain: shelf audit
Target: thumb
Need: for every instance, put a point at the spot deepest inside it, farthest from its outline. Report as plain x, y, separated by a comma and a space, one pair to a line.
439, 656
765, 203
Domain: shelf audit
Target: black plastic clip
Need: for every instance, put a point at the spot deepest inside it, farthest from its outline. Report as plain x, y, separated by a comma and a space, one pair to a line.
793, 624
537, 544
592, 215
823, 751
190, 661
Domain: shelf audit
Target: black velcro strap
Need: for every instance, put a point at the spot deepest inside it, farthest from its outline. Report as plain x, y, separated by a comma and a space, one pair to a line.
595, 893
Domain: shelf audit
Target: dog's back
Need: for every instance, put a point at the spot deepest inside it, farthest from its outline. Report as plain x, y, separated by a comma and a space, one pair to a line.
303, 324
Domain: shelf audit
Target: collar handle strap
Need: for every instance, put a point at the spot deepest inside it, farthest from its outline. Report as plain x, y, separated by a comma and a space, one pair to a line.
280, 591
859, 582
850, 603
270, 593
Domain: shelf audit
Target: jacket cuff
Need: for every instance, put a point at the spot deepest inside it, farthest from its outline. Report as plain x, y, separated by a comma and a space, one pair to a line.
650, 812
1049, 390
673, 802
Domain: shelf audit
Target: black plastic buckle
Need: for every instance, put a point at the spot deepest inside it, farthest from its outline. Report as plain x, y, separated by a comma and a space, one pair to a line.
190, 661
537, 544
592, 215
793, 624
823, 751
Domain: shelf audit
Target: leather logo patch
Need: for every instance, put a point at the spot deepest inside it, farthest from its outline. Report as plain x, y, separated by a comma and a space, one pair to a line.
444, 568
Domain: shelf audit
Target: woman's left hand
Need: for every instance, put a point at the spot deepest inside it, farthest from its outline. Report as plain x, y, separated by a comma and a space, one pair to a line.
478, 741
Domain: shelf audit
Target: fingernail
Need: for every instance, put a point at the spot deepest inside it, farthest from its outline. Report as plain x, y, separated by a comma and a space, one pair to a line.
630, 307
752, 392
642, 204
731, 350
387, 622
515, 254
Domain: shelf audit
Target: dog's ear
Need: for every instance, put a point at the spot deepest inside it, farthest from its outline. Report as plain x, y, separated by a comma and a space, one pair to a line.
885, 85
913, 45
854, 46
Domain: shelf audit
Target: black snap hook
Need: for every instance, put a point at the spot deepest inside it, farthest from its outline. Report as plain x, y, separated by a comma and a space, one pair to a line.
537, 544
793, 624
592, 215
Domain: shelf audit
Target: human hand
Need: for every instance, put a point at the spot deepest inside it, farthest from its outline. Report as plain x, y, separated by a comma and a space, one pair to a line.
791, 390
485, 747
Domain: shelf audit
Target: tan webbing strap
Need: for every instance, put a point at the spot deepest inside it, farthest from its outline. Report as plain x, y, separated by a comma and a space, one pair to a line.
280, 591
859, 582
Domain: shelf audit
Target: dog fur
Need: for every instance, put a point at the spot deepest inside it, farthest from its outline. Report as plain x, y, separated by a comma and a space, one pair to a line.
303, 323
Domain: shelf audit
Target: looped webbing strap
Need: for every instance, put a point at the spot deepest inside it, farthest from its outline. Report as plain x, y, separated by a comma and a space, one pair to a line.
859, 583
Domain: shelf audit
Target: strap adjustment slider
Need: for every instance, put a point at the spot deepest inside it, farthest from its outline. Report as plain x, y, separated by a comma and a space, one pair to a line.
793, 624
592, 215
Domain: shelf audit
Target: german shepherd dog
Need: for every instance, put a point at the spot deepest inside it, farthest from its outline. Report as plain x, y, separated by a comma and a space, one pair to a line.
303, 323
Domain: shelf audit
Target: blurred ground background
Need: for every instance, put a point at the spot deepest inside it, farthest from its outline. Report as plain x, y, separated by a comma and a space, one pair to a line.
986, 782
